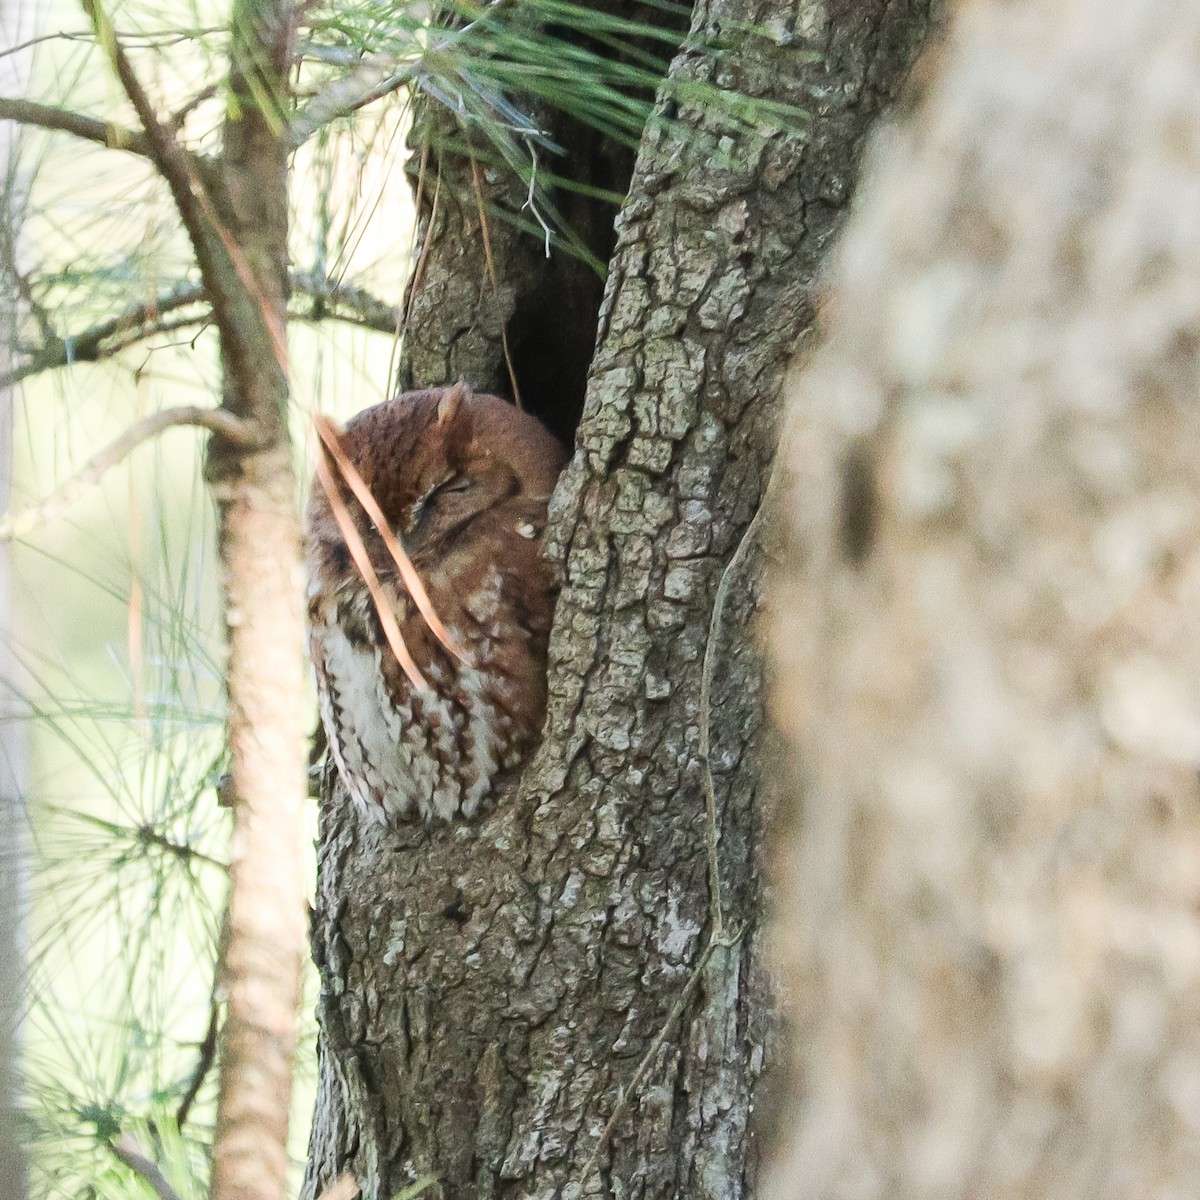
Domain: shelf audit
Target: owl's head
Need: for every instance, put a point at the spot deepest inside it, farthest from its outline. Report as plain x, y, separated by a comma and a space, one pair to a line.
437, 462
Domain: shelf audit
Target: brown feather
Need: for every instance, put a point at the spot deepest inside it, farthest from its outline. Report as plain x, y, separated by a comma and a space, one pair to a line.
463, 480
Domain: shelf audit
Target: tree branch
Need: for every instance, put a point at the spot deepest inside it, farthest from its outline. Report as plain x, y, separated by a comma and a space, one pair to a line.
127, 1150
45, 116
182, 171
344, 302
331, 299
136, 322
144, 38
216, 420
370, 80
204, 1062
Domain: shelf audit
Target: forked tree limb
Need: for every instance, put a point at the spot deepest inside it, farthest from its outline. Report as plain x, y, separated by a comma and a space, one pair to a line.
174, 163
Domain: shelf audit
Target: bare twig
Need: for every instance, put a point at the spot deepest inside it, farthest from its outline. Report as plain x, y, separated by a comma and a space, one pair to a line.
142, 320
711, 646
408, 573
127, 1149
372, 79
341, 301
362, 560
46, 116
183, 173
216, 420
630, 1089
147, 38
204, 1062
182, 113
347, 301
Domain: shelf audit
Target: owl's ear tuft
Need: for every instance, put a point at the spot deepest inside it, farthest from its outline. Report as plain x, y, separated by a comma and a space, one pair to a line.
450, 402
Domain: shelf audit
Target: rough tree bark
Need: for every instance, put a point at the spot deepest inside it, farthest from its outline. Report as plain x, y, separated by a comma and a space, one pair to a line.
521, 316
987, 644
490, 988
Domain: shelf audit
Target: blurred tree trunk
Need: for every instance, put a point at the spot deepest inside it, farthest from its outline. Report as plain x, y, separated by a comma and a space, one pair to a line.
489, 989
254, 486
986, 638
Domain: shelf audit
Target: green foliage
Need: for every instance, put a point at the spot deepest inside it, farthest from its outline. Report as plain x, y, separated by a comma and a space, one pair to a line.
127, 839
499, 68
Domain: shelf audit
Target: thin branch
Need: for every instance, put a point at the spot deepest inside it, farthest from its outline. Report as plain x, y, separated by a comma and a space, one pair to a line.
143, 319
362, 560
181, 114
630, 1089
127, 1150
204, 1062
189, 178
216, 420
345, 302
182, 171
404, 564
146, 39
97, 343
46, 116
370, 80
711, 647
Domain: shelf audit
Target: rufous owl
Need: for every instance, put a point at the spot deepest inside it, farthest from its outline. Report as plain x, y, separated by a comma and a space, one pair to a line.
463, 481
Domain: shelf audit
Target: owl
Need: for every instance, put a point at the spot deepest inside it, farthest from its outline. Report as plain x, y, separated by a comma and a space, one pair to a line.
463, 481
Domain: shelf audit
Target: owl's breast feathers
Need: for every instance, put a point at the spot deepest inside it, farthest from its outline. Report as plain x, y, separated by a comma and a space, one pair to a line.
404, 752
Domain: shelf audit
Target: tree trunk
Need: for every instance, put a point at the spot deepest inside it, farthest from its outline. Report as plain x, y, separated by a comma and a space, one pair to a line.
986, 638
261, 577
497, 312
489, 989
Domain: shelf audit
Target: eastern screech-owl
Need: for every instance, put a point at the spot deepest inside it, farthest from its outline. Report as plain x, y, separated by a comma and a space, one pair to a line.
463, 481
